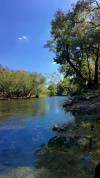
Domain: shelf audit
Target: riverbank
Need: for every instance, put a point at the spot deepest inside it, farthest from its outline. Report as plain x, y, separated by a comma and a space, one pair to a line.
18, 98
11, 98
83, 136
88, 102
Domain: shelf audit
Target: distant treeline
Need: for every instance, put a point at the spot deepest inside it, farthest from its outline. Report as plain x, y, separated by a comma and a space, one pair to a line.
21, 83
62, 88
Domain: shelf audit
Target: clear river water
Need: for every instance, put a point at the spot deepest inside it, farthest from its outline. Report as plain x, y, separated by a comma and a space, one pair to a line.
25, 126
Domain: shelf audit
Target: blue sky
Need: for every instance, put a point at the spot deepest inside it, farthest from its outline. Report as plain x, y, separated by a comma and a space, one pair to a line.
24, 29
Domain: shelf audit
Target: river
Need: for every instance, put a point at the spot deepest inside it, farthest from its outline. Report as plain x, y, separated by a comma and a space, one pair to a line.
25, 126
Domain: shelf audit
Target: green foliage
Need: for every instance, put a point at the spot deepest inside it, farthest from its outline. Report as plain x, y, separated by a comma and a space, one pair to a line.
63, 87
52, 90
21, 83
75, 42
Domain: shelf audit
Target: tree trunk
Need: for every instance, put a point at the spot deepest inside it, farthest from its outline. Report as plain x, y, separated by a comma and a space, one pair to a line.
67, 56
96, 74
89, 71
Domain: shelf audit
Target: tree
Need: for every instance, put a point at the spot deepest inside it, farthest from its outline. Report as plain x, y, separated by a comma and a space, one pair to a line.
21, 83
52, 90
75, 41
39, 84
63, 87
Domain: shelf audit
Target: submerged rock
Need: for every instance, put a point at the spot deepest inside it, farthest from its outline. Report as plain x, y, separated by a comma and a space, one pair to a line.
68, 103
56, 141
58, 128
59, 141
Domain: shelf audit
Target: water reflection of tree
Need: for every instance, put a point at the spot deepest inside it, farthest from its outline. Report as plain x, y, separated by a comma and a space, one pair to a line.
23, 108
53, 104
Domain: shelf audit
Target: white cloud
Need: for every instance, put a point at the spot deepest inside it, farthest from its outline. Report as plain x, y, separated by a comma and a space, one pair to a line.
23, 38
53, 63
19, 38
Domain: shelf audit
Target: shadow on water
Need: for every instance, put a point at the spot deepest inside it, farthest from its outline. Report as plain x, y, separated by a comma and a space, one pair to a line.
68, 160
63, 164
75, 153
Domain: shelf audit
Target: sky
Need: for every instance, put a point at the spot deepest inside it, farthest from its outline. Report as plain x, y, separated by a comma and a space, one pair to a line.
24, 29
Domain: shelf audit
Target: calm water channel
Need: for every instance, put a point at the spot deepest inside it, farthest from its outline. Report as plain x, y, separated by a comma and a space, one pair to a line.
25, 126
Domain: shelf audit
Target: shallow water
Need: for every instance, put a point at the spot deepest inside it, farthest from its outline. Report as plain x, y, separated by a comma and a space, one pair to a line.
25, 125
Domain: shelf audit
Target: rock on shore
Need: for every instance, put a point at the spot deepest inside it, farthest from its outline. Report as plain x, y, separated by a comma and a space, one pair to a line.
82, 104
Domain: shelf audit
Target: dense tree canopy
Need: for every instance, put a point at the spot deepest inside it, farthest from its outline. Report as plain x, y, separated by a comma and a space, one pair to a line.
24, 84
75, 39
21, 83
